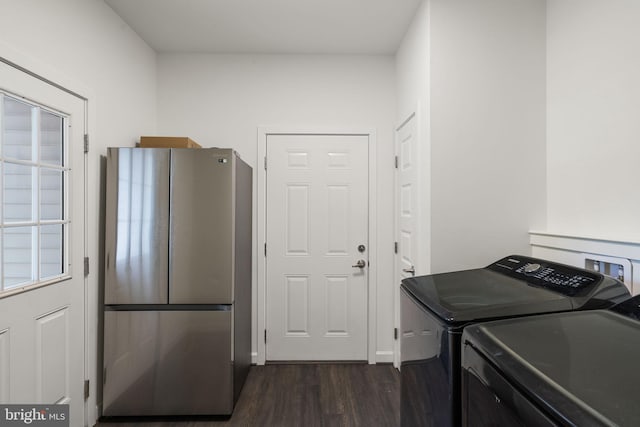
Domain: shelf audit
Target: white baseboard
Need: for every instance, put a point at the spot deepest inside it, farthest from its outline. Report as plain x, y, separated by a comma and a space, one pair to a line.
381, 357
384, 356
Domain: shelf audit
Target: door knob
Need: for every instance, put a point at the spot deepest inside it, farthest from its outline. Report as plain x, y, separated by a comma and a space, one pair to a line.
360, 264
410, 270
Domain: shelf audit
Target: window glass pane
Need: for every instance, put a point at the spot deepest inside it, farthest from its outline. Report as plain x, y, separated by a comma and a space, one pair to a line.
50, 194
50, 138
17, 130
18, 198
32, 194
17, 244
50, 251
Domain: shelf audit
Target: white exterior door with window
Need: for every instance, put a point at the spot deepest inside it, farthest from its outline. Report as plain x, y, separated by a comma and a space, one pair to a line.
317, 247
41, 244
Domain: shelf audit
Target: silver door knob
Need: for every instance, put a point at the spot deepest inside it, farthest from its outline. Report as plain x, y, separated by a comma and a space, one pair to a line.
360, 264
411, 270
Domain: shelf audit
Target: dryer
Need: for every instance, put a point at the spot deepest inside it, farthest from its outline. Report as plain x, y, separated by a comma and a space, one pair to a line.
564, 369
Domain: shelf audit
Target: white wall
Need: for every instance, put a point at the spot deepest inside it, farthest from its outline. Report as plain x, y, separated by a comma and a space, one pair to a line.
412, 87
412, 66
487, 110
85, 46
476, 70
86, 42
221, 100
594, 118
474, 74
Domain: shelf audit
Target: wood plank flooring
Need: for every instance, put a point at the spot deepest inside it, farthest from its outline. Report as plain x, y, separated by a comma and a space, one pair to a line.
307, 395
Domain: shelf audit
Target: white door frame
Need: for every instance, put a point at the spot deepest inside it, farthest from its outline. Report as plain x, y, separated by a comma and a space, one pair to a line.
260, 231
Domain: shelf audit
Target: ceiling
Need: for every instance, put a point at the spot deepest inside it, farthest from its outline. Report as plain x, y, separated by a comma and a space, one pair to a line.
269, 26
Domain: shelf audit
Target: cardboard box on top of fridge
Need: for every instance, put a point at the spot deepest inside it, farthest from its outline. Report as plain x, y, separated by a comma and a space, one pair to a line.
168, 142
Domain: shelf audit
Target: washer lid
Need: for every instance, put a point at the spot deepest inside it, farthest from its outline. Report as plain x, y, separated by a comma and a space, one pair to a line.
482, 294
581, 367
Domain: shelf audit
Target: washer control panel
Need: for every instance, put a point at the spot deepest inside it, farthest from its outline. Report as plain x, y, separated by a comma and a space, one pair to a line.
546, 274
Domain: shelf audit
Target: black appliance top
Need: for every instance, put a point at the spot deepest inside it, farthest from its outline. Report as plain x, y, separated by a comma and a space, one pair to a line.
513, 286
580, 367
629, 308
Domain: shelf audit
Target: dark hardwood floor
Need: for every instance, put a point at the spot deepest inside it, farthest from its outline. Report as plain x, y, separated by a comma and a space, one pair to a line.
305, 395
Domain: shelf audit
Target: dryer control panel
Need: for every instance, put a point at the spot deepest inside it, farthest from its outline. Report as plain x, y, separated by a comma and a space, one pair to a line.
561, 278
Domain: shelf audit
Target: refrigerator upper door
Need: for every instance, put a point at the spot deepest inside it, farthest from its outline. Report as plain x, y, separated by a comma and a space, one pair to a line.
202, 226
137, 226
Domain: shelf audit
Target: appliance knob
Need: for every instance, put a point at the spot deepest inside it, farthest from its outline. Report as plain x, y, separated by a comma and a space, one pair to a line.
531, 268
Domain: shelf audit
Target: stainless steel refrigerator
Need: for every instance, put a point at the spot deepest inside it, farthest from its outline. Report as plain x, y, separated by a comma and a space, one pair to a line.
177, 313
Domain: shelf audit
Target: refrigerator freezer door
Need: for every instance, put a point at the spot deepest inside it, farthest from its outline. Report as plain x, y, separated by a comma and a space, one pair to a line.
202, 226
137, 226
167, 363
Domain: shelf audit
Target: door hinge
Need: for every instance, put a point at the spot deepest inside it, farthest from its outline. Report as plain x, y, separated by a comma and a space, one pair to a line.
395, 333
395, 247
86, 389
265, 336
86, 266
86, 142
265, 162
265, 249
396, 162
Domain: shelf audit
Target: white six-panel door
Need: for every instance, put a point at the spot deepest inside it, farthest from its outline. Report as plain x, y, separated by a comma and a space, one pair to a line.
406, 207
406, 197
316, 233
42, 330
